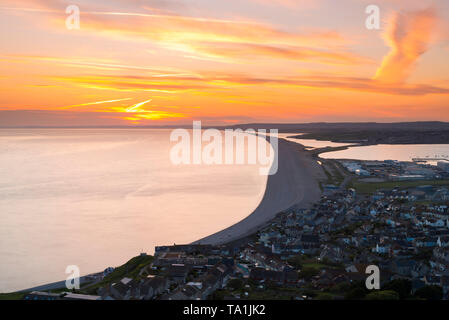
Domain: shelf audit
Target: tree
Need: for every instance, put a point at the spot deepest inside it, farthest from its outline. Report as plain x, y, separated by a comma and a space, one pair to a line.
308, 272
383, 295
341, 287
355, 294
296, 262
357, 291
430, 293
235, 284
402, 286
324, 296
218, 295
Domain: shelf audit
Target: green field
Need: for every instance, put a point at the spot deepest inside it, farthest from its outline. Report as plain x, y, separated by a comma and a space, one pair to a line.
370, 187
12, 296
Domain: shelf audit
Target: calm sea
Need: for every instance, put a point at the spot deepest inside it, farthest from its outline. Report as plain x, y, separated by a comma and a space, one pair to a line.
97, 197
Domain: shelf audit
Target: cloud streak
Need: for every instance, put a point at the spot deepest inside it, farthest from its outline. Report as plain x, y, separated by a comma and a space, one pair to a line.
95, 103
216, 38
210, 82
251, 51
224, 40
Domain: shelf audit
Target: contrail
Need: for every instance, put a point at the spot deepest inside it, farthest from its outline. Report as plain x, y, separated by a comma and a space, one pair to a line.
97, 102
138, 105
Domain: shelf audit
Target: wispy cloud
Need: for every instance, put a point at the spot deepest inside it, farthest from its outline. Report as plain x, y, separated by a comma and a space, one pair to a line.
95, 63
251, 51
133, 83
409, 37
224, 38
209, 82
218, 39
303, 4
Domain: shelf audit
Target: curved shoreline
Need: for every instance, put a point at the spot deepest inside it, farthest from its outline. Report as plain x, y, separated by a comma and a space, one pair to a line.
294, 184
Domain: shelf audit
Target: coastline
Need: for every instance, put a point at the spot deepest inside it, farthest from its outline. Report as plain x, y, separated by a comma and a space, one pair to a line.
294, 184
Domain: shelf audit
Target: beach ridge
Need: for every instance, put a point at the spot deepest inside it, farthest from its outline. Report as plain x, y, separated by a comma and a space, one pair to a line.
294, 184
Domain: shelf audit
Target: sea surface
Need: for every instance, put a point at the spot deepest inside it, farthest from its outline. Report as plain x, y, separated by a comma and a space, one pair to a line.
97, 197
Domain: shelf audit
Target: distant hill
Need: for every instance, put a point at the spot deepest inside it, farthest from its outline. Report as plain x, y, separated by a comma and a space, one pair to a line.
367, 133
347, 126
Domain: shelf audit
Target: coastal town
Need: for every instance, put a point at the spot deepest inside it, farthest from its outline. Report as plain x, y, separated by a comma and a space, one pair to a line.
389, 214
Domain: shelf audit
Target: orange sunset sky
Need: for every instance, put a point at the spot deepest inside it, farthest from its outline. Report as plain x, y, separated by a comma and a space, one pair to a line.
157, 62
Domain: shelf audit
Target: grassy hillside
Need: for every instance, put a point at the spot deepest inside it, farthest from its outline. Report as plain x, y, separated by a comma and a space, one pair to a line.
130, 269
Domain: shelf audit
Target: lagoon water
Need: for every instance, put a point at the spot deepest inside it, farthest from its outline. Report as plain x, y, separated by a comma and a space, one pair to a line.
311, 143
97, 197
391, 152
379, 152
